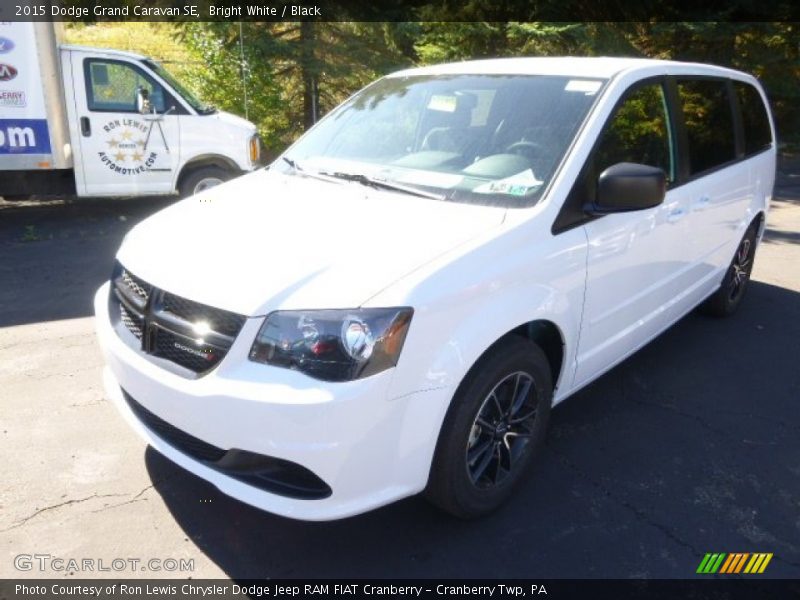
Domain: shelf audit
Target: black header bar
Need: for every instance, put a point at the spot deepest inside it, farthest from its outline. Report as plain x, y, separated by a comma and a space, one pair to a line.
398, 10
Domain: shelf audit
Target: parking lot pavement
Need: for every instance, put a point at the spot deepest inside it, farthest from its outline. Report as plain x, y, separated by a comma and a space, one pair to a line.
691, 446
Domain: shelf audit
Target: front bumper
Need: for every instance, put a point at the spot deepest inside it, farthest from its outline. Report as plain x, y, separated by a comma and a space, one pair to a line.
354, 436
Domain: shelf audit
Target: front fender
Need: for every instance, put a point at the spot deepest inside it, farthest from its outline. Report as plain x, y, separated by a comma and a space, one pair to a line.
463, 305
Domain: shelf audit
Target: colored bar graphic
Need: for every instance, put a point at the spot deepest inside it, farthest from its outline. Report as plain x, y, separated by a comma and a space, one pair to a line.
740, 563
734, 563
702, 567
755, 562
765, 563
717, 563
727, 564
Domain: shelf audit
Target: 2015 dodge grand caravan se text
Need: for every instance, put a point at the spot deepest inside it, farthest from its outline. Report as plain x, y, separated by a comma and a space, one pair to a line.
397, 302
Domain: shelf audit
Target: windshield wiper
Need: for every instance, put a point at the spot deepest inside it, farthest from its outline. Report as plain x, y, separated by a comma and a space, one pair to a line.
384, 184
362, 179
301, 171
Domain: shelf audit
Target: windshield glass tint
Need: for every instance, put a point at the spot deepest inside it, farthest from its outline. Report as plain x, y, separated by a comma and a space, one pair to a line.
484, 139
179, 88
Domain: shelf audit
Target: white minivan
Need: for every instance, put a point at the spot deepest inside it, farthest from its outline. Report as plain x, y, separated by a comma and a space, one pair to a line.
397, 302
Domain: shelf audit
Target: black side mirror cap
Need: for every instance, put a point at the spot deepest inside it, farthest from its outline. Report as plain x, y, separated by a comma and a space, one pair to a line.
625, 187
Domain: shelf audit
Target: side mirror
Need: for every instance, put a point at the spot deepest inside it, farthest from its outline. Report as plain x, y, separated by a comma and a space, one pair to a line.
143, 106
628, 186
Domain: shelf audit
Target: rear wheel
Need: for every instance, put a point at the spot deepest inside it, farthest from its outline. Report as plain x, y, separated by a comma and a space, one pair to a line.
493, 430
727, 298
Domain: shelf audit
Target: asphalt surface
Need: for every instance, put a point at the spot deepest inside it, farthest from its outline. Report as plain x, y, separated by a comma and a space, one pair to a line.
690, 446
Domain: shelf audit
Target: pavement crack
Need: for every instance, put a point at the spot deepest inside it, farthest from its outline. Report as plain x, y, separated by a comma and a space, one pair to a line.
135, 498
39, 511
640, 514
673, 409
138, 497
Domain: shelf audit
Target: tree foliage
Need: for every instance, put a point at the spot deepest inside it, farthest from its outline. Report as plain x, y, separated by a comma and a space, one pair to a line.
289, 69
291, 72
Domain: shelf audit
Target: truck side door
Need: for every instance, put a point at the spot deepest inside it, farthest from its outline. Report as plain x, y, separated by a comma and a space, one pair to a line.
120, 152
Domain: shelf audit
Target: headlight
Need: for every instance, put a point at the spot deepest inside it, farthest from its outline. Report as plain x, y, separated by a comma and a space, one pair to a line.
333, 345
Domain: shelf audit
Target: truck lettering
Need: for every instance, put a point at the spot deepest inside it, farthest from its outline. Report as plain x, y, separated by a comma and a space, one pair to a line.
24, 136
20, 137
110, 161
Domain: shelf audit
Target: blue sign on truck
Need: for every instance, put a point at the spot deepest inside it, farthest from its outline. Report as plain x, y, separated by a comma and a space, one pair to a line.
24, 136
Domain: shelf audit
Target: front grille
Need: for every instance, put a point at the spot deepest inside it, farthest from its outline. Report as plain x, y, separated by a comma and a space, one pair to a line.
192, 335
224, 322
179, 350
134, 323
136, 285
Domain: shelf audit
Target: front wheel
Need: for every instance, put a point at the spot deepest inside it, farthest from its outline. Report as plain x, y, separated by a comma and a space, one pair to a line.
493, 430
202, 179
727, 298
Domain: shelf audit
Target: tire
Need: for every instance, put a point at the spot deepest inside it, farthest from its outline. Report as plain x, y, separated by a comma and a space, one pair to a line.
727, 298
478, 460
202, 179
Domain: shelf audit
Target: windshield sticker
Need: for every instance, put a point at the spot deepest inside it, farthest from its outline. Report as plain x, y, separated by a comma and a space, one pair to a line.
443, 103
586, 86
520, 184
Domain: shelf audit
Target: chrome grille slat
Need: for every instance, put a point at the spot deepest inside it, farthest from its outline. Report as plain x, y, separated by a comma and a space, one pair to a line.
136, 285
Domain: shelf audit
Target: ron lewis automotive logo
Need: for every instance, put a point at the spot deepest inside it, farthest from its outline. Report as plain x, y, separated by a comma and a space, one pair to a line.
127, 141
7, 72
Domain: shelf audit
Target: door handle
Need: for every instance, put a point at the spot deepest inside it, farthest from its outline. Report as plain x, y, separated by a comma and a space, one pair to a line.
86, 127
676, 214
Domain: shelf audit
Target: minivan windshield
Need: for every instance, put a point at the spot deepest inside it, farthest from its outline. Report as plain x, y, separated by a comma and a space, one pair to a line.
481, 139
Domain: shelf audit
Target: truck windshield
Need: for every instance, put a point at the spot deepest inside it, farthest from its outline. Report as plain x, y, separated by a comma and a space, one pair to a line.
483, 139
193, 101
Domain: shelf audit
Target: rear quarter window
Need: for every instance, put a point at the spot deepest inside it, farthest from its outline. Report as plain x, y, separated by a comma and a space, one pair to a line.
708, 118
755, 122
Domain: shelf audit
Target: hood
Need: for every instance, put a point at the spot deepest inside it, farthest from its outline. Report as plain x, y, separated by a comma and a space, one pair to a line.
232, 120
267, 241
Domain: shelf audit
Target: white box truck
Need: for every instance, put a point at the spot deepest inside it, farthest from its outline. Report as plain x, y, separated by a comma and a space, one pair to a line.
98, 122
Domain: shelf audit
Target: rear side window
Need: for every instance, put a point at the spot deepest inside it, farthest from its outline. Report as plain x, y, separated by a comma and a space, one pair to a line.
755, 122
709, 123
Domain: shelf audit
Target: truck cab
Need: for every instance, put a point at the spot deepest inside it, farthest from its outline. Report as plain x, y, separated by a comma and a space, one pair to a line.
102, 122
134, 126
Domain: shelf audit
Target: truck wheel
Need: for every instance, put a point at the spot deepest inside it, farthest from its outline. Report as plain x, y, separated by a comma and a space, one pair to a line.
493, 430
202, 179
727, 298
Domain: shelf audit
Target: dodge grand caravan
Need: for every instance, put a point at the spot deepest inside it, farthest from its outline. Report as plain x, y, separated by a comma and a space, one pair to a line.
396, 303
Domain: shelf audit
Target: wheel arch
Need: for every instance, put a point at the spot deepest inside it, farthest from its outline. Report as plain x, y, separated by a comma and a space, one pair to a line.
760, 221
205, 160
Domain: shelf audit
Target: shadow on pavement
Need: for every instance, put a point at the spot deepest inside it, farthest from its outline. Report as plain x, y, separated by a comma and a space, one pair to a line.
690, 446
54, 256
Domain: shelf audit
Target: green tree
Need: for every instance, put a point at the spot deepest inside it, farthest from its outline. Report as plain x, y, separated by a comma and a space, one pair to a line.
291, 72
